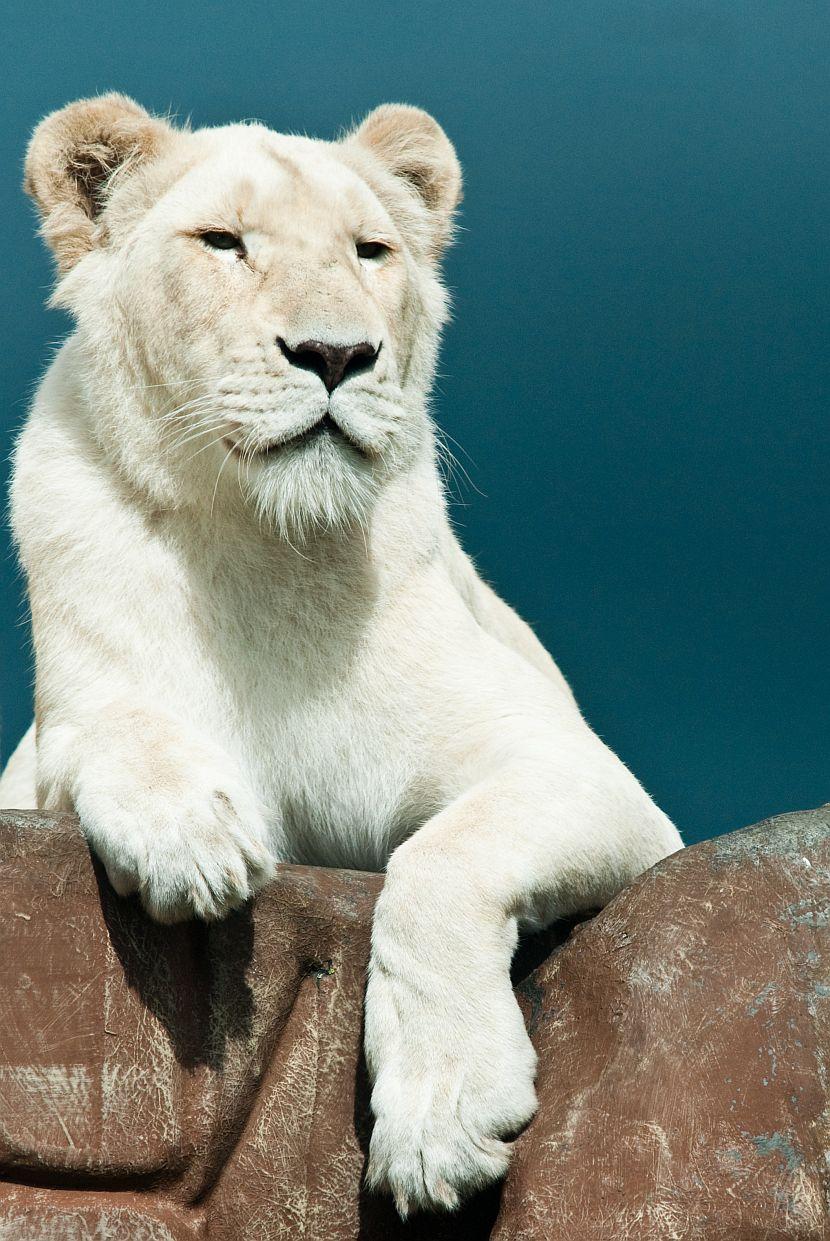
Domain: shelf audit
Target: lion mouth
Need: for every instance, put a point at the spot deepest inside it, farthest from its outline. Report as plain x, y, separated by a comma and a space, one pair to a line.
324, 429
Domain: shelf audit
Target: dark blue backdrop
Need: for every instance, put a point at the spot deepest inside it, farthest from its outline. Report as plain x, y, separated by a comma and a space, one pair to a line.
638, 363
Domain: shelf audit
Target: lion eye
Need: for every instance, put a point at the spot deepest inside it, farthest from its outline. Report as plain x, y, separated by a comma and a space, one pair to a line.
371, 249
218, 240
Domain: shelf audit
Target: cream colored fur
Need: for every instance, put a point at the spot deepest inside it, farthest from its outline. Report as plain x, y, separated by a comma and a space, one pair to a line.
245, 656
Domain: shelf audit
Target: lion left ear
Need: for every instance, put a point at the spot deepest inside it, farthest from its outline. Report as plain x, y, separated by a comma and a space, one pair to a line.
72, 159
413, 147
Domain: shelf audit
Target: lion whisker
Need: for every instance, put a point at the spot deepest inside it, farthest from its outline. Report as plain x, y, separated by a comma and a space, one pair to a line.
218, 476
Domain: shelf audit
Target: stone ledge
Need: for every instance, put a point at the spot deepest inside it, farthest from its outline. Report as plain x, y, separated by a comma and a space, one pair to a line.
206, 1081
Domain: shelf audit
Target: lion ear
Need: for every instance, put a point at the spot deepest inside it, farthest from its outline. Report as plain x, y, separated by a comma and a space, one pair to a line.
72, 157
412, 146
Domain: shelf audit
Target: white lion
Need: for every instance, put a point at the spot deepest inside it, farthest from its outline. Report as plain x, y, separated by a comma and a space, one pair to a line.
256, 636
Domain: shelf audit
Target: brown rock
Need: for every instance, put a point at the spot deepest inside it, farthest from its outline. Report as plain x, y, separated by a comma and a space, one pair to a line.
206, 1081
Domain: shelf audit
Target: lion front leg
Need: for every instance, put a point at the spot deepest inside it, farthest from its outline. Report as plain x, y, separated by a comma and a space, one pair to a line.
452, 1065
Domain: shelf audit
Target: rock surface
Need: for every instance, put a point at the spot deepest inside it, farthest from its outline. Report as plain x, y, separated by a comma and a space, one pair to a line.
164, 1084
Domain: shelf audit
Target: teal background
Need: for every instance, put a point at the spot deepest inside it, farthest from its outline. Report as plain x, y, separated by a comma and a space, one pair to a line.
638, 365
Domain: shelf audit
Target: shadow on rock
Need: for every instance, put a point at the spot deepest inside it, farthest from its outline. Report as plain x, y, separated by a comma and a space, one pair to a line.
191, 976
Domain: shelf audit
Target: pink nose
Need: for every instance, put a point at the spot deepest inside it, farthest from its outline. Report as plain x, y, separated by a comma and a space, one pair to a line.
331, 362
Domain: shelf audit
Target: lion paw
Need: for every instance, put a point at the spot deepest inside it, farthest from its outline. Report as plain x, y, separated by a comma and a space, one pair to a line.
190, 839
449, 1089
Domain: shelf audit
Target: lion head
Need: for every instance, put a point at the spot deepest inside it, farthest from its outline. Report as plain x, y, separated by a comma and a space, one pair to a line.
257, 313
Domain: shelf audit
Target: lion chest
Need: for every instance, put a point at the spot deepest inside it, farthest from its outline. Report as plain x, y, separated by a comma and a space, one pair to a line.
345, 777
329, 734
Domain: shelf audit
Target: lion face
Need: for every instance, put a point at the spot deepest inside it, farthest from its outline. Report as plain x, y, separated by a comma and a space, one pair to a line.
264, 309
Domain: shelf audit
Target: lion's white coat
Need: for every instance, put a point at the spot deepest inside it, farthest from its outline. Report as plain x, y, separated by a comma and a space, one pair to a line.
242, 658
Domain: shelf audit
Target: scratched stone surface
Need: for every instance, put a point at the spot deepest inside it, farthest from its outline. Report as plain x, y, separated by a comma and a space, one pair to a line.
163, 1084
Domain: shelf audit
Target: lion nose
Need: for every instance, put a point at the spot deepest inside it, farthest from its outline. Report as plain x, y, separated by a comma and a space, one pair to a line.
331, 362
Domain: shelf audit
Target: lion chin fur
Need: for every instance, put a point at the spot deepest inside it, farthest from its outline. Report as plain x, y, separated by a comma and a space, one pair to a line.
256, 636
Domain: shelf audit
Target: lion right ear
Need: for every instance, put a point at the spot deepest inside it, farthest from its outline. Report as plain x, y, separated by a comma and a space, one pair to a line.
412, 146
72, 157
